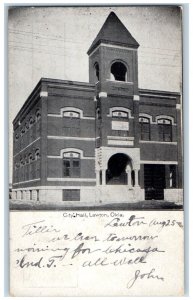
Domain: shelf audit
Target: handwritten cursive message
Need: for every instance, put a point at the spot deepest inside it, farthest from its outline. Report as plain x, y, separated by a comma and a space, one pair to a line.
132, 249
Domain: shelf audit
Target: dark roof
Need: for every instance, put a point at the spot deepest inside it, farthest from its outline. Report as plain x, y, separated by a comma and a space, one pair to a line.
114, 32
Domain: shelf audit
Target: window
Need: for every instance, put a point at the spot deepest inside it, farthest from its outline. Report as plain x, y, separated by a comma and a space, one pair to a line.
30, 158
27, 126
38, 115
98, 113
71, 163
31, 122
144, 128
38, 195
71, 195
119, 114
71, 123
172, 177
16, 137
17, 165
118, 71
71, 114
37, 154
165, 130
96, 67
22, 162
26, 160
22, 131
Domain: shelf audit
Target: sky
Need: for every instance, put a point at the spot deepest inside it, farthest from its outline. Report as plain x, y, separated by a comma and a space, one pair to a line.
52, 42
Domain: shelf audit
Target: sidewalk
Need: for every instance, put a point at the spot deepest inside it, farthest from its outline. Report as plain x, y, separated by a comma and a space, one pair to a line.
142, 205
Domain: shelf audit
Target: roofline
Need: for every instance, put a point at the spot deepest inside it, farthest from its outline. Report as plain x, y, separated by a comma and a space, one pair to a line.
48, 81
128, 45
36, 88
159, 92
69, 82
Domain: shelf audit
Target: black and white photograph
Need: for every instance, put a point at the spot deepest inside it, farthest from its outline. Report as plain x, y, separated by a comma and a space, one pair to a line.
95, 108
96, 150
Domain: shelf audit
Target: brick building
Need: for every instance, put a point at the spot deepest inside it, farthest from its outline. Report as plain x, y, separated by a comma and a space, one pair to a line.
102, 141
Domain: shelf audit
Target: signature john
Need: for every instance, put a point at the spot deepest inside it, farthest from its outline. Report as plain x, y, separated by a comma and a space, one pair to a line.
140, 276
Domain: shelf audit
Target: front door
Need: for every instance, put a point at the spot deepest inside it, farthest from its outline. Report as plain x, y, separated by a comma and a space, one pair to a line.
116, 174
154, 182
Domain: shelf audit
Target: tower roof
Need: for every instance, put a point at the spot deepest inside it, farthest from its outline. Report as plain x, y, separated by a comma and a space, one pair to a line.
114, 32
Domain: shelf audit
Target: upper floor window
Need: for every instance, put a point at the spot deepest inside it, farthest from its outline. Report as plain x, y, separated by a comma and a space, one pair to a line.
26, 126
38, 115
71, 164
98, 113
119, 114
37, 154
96, 68
118, 71
23, 130
71, 114
71, 123
16, 137
165, 130
22, 162
26, 160
30, 158
144, 128
31, 121
17, 165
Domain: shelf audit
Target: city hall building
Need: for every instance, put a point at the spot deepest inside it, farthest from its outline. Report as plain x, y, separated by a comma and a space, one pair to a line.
103, 141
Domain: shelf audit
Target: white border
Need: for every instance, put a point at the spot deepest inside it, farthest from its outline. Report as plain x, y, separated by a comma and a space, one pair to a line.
3, 155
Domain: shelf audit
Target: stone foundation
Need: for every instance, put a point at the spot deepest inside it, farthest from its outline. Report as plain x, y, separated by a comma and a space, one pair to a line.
174, 195
96, 195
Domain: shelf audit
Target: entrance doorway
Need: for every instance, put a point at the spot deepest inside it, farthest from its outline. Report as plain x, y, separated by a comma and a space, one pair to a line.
116, 172
154, 182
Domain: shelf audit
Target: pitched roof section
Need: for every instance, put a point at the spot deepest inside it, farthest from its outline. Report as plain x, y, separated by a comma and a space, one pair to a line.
114, 32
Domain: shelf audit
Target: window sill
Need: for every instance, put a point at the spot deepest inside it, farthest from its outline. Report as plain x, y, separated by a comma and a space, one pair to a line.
157, 142
117, 81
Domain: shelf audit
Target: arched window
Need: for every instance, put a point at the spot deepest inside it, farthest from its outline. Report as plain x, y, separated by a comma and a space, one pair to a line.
71, 114
119, 114
98, 114
118, 71
31, 121
16, 137
145, 128
165, 130
71, 123
38, 115
22, 131
30, 158
21, 162
26, 126
17, 165
37, 154
26, 160
96, 68
71, 163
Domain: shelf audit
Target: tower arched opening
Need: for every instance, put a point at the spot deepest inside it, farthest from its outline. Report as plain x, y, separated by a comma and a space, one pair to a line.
118, 71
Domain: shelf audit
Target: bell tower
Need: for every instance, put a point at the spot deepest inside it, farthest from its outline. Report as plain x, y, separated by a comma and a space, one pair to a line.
113, 68
113, 58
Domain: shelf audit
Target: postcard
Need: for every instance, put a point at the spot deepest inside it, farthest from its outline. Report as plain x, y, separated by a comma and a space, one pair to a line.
96, 150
